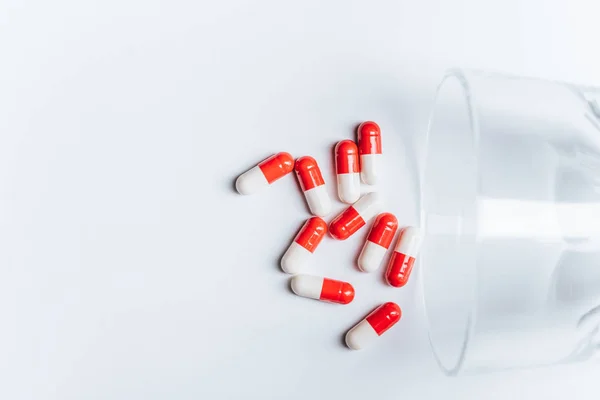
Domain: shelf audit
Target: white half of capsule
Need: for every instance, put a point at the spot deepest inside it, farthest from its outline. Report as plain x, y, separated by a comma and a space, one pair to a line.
295, 258
308, 286
348, 186
361, 336
251, 181
370, 168
369, 205
371, 256
409, 242
318, 201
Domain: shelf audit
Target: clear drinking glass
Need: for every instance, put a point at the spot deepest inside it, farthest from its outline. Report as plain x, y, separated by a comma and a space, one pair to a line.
510, 195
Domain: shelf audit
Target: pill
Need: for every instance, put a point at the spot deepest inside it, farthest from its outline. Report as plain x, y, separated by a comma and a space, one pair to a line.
373, 326
347, 170
265, 173
324, 289
355, 217
312, 184
378, 242
402, 260
304, 245
369, 149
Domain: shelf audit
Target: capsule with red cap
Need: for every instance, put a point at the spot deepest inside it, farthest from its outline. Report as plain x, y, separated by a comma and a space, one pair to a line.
378, 242
355, 217
265, 173
312, 184
373, 326
304, 245
369, 148
347, 169
403, 259
324, 289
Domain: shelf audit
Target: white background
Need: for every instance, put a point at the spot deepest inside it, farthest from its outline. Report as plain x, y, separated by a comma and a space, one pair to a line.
129, 267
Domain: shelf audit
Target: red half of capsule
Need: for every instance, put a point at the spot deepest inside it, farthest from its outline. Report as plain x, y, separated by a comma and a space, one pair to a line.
383, 230
312, 233
399, 269
308, 173
384, 317
277, 166
369, 138
345, 224
337, 291
346, 157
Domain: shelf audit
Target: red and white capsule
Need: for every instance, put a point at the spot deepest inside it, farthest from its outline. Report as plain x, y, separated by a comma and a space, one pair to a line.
355, 217
373, 326
347, 169
369, 148
265, 173
378, 242
312, 184
402, 260
324, 289
304, 245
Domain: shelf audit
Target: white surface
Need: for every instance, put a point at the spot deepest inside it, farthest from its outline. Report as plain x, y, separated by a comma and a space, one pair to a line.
371, 256
348, 186
409, 241
307, 286
361, 336
370, 168
123, 122
251, 181
295, 259
318, 201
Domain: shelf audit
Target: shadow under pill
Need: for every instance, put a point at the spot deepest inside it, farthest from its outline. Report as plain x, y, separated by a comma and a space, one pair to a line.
277, 264
382, 276
342, 341
288, 285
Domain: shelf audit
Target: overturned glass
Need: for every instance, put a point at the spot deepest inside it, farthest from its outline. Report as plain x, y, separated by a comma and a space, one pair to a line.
510, 208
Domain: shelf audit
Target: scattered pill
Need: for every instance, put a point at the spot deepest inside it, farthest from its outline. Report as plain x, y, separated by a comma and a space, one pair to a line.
355, 217
369, 148
265, 173
373, 326
305, 243
402, 260
378, 242
312, 184
347, 170
353, 162
324, 289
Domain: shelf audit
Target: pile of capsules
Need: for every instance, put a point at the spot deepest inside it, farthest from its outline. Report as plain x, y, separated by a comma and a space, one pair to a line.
352, 163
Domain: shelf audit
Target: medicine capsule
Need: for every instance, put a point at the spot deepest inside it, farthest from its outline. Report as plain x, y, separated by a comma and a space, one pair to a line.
312, 184
324, 289
378, 242
355, 217
305, 243
265, 173
402, 260
373, 326
369, 148
347, 169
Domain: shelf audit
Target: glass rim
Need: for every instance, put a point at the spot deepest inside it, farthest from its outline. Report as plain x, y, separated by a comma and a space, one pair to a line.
462, 76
